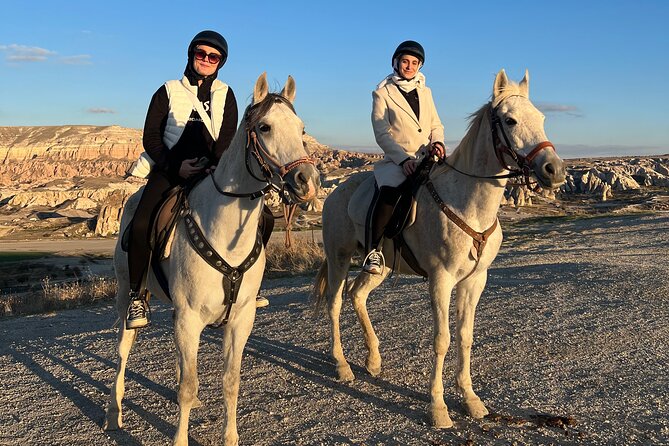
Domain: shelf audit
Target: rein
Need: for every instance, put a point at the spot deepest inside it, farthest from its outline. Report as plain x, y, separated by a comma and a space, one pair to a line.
256, 146
501, 149
480, 239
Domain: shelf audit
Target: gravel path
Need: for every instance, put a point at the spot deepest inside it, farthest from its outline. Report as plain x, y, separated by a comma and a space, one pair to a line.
570, 348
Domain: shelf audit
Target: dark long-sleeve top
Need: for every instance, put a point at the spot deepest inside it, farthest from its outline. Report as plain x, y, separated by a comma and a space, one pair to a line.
195, 141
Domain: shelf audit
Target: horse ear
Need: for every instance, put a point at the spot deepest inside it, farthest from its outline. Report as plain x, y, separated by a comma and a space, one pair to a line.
501, 81
261, 89
525, 84
288, 91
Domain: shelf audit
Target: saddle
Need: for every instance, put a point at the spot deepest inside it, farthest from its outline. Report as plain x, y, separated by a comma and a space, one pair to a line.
403, 216
163, 225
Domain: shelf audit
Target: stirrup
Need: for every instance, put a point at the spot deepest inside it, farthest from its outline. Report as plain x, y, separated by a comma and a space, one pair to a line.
371, 265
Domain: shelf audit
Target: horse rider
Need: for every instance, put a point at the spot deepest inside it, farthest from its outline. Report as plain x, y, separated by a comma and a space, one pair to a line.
182, 142
406, 127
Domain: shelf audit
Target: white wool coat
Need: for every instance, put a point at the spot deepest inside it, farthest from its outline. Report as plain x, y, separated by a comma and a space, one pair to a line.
399, 133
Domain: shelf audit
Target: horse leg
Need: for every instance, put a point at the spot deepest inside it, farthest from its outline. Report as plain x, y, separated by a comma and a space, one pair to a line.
441, 286
337, 271
187, 331
234, 340
467, 297
363, 285
126, 338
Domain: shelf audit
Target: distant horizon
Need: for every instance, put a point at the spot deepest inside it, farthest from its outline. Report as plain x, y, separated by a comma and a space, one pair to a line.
565, 151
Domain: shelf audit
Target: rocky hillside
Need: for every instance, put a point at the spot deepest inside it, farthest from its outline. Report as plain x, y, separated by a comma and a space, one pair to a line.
32, 155
70, 180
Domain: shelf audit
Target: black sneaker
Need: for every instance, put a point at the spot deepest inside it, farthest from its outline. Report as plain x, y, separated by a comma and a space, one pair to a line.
138, 312
374, 262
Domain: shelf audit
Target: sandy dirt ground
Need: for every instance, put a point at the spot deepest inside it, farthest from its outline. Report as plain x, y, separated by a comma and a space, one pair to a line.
574, 323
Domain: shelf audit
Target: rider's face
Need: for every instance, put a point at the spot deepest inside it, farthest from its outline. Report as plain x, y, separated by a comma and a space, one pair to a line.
408, 66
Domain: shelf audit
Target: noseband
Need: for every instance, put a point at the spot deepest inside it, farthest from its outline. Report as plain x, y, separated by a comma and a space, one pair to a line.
269, 166
272, 172
501, 149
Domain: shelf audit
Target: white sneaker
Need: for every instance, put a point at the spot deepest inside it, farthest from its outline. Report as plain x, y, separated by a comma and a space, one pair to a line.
138, 312
374, 262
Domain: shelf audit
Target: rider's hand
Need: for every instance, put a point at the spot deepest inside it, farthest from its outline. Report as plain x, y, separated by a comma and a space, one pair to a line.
188, 168
437, 149
409, 167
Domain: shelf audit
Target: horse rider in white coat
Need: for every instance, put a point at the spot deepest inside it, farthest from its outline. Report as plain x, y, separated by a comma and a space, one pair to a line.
407, 127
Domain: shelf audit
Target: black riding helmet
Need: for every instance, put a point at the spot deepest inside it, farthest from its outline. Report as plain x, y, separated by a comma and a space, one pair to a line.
410, 47
212, 39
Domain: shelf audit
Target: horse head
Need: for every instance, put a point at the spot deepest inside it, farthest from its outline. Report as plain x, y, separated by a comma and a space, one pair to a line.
275, 139
518, 132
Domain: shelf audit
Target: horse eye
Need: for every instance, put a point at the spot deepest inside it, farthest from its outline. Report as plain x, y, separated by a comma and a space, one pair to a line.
510, 121
264, 128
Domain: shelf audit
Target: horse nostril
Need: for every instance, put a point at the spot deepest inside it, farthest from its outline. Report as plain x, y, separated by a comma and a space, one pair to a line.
548, 167
302, 178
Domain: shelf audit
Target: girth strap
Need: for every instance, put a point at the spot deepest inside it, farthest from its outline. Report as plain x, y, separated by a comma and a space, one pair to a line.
479, 239
232, 276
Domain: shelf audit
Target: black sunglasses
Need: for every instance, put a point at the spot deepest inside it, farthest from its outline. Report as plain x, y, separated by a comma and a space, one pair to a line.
213, 58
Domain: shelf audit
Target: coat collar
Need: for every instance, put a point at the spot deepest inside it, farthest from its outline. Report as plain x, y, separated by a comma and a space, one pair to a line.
396, 96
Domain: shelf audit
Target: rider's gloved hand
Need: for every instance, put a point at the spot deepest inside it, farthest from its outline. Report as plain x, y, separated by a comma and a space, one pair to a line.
438, 149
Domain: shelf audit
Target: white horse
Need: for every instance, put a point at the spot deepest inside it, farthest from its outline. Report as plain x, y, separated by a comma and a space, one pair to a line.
224, 211
454, 239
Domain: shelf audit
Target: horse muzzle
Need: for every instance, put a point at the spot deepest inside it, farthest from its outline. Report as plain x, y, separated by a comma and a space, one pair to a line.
547, 167
303, 182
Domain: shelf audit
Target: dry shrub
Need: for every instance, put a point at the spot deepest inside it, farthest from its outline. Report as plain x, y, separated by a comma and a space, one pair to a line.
56, 296
304, 256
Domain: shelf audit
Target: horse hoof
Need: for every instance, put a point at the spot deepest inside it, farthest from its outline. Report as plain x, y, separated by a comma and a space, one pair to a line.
475, 408
440, 418
113, 422
345, 374
373, 364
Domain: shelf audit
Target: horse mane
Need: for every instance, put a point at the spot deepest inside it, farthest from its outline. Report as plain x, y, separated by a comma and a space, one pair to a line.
254, 112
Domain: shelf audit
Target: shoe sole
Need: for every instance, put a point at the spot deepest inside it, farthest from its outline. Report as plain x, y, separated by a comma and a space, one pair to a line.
372, 271
136, 323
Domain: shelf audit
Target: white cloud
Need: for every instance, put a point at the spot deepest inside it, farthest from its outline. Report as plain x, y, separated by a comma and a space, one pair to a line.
23, 53
570, 110
82, 59
101, 110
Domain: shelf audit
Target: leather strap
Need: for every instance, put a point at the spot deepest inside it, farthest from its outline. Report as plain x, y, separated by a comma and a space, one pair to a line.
479, 239
232, 276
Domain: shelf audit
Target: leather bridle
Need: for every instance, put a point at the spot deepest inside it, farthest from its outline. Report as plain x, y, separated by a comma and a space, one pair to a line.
272, 172
501, 148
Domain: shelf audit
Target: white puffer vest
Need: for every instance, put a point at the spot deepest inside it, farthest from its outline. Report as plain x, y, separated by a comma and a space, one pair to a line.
182, 98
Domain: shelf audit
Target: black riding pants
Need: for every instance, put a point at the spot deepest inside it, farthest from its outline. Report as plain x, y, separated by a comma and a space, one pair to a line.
139, 249
383, 210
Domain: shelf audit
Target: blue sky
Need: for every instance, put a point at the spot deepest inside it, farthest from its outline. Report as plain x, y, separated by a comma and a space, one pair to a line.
598, 69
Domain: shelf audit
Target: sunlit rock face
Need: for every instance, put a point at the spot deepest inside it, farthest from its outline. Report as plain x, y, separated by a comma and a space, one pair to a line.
32, 155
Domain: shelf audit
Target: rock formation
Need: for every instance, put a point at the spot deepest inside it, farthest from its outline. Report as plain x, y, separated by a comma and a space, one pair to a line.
71, 178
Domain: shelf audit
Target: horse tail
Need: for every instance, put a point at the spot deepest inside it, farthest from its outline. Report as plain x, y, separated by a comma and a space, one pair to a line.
319, 293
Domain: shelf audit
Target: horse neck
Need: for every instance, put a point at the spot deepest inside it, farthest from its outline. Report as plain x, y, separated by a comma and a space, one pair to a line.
477, 198
231, 173
229, 222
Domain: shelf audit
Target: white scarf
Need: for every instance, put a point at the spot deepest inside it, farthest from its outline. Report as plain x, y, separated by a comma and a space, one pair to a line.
406, 85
